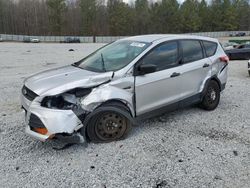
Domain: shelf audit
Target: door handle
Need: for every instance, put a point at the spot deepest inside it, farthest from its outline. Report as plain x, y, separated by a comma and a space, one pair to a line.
175, 74
206, 65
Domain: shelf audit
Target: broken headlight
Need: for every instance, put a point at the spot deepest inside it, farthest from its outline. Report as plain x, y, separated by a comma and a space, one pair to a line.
65, 101
57, 102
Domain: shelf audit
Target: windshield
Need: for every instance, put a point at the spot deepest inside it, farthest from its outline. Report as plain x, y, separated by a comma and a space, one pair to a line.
113, 56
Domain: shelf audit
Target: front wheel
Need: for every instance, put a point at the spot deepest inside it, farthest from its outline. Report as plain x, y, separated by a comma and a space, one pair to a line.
108, 125
211, 98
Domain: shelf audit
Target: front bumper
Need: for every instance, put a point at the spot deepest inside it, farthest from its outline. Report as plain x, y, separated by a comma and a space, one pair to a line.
55, 121
36, 135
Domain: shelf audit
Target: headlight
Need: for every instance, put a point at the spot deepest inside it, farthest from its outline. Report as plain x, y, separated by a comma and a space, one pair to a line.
57, 102
65, 101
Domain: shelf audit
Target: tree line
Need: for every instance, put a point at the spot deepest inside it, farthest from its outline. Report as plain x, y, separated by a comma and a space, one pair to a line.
114, 17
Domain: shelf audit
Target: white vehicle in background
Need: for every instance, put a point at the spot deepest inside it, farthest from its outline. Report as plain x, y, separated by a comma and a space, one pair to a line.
1, 39
35, 40
27, 39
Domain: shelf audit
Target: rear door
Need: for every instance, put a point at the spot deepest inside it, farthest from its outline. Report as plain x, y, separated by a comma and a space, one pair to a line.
160, 88
196, 67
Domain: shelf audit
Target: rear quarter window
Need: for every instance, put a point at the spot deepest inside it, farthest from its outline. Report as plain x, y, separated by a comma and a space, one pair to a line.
210, 48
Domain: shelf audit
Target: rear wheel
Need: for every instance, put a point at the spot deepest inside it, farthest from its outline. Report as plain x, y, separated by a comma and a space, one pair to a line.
249, 72
108, 125
211, 98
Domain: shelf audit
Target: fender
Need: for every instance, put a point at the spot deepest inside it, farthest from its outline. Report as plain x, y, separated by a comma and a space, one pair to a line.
214, 77
106, 93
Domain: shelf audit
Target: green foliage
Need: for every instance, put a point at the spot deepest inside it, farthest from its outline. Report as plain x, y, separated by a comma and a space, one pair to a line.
165, 17
56, 10
88, 11
114, 17
242, 9
190, 19
142, 16
120, 17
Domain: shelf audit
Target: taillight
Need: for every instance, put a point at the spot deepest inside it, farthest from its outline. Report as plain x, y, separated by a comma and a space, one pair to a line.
224, 59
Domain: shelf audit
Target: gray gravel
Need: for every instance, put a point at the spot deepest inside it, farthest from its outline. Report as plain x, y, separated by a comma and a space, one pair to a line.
186, 148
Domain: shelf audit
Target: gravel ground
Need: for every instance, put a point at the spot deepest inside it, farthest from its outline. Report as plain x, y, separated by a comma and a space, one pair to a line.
185, 148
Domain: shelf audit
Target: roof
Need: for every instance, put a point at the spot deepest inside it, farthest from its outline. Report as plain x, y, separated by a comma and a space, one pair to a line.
156, 37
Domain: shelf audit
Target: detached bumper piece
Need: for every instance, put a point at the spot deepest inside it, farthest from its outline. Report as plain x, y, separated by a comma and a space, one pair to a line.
75, 138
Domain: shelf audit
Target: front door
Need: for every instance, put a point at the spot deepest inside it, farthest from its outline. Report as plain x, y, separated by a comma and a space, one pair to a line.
160, 88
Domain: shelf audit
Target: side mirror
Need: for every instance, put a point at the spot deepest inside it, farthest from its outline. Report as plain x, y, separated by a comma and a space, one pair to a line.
146, 69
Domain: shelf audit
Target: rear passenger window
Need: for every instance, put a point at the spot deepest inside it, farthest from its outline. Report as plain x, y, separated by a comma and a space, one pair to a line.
210, 48
191, 50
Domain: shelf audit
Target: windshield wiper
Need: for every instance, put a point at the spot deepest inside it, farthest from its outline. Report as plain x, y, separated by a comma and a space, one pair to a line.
103, 63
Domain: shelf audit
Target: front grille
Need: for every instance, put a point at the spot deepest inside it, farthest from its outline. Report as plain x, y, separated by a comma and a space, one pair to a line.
30, 95
35, 122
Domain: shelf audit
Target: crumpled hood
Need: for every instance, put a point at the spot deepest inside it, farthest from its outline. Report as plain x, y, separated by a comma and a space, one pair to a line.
61, 79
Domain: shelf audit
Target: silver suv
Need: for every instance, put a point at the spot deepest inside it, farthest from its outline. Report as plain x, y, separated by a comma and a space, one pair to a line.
100, 97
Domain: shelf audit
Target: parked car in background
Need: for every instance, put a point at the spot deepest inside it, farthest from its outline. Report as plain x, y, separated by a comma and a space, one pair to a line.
99, 97
240, 34
35, 40
248, 64
241, 52
71, 40
229, 45
32, 40
26, 39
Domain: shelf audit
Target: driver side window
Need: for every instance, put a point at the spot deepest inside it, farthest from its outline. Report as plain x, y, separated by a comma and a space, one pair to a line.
164, 56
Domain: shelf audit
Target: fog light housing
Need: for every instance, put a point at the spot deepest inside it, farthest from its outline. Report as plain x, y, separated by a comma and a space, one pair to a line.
42, 131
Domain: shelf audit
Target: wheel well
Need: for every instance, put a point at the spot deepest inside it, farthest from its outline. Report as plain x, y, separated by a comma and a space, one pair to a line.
117, 102
217, 81
214, 78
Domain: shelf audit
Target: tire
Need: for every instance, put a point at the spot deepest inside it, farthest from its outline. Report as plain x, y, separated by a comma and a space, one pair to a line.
211, 98
110, 122
249, 72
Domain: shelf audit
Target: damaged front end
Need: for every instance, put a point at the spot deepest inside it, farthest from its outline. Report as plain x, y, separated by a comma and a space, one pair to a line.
62, 116
57, 117
53, 108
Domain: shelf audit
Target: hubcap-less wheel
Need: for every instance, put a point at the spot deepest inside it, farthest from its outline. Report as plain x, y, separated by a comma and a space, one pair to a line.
110, 126
212, 96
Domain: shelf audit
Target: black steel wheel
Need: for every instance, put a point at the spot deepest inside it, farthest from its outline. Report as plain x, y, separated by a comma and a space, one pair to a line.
108, 124
211, 98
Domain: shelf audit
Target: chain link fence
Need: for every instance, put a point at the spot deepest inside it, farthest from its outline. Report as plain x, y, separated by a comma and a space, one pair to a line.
106, 39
